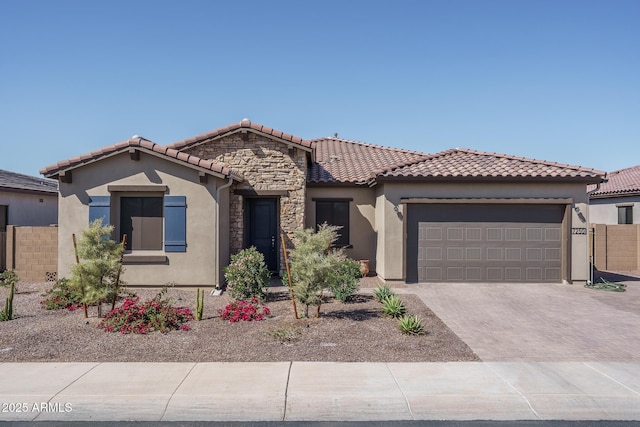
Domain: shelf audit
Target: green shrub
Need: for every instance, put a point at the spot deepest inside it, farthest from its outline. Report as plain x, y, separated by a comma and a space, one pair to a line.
344, 279
394, 307
285, 334
411, 325
382, 292
247, 275
8, 278
62, 295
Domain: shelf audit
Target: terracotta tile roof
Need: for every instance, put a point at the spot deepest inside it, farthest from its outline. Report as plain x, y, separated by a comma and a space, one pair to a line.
344, 161
13, 181
623, 182
340, 161
143, 145
465, 163
236, 127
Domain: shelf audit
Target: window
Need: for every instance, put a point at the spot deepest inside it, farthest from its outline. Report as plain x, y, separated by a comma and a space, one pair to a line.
3, 217
148, 220
625, 214
141, 220
334, 212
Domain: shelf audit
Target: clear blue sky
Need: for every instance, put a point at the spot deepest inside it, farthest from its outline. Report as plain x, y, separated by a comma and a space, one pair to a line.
557, 80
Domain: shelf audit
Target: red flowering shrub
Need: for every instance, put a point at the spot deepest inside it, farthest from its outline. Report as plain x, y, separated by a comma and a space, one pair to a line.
141, 318
245, 311
62, 295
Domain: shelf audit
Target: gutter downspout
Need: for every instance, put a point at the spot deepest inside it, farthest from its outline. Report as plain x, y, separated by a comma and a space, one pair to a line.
217, 244
591, 259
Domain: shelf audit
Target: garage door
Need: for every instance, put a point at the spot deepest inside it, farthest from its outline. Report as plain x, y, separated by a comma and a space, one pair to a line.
488, 243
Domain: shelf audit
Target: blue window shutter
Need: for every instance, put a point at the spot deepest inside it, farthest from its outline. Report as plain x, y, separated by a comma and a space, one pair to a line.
100, 207
175, 224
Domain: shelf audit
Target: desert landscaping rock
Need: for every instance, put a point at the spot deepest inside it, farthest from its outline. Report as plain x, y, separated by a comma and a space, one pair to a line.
352, 332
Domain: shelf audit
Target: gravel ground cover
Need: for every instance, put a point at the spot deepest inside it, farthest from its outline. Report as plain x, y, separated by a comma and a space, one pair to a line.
352, 332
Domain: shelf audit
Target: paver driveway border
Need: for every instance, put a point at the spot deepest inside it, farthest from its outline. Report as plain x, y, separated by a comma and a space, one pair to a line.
538, 321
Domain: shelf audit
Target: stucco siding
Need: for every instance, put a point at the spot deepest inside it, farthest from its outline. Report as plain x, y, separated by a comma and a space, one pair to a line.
391, 262
30, 209
380, 221
196, 266
605, 211
362, 225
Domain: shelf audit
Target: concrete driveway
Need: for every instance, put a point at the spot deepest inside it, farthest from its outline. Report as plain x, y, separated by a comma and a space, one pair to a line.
539, 322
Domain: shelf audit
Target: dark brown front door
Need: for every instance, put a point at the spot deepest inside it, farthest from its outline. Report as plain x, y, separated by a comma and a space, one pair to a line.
261, 225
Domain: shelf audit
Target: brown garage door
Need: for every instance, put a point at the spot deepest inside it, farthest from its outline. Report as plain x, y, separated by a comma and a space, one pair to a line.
494, 243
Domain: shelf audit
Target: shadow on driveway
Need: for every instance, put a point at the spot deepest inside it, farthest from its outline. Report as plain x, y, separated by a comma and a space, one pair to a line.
612, 276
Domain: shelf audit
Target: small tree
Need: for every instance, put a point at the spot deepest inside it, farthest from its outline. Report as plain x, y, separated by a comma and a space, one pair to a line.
312, 261
97, 273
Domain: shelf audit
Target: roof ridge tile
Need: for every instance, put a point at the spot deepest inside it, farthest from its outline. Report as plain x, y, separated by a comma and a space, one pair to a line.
367, 144
526, 159
244, 124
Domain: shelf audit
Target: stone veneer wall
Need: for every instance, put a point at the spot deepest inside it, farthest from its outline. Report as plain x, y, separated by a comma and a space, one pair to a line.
265, 164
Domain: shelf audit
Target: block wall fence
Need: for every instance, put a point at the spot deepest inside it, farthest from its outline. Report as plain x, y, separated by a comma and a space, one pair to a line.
31, 251
616, 247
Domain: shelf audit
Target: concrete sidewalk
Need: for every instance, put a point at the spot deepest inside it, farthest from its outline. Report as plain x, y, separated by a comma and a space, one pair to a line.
319, 391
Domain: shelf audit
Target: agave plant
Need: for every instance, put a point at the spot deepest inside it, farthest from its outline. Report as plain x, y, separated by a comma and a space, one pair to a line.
382, 292
411, 325
394, 307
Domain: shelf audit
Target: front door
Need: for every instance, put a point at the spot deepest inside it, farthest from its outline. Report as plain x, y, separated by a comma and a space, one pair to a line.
262, 229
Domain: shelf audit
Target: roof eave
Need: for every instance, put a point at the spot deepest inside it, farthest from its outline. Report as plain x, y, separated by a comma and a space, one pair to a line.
615, 194
56, 173
29, 191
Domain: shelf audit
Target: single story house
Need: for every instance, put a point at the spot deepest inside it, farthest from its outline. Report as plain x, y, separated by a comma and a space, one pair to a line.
616, 201
614, 213
27, 200
459, 215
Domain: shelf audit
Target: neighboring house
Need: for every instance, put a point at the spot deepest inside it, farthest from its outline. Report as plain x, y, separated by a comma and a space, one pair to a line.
616, 201
27, 200
614, 213
459, 215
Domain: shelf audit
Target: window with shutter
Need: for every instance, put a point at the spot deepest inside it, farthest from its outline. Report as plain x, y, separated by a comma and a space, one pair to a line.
141, 221
175, 228
148, 221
